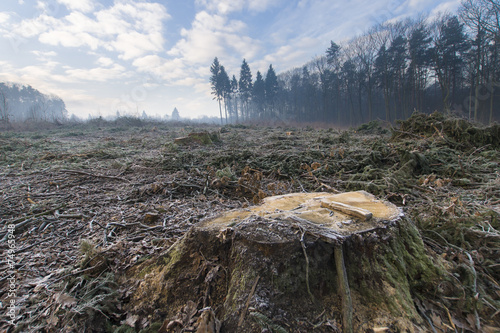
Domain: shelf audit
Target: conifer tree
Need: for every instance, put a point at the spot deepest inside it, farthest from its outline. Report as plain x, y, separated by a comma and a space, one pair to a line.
259, 96
225, 87
271, 86
234, 96
175, 115
245, 87
215, 82
383, 78
397, 67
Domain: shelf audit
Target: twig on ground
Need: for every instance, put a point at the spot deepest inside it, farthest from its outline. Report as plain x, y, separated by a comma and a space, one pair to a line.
94, 175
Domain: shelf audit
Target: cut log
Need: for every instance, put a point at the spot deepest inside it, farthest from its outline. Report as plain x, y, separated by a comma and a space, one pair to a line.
299, 261
361, 213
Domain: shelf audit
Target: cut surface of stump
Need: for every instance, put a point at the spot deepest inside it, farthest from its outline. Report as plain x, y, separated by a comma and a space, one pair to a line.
344, 213
345, 262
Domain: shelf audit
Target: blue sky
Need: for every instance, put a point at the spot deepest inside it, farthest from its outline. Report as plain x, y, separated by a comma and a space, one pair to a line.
104, 56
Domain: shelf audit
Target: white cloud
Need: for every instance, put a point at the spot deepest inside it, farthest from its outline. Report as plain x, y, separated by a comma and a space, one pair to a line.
225, 7
34, 27
130, 28
172, 69
222, 6
4, 17
134, 44
35, 72
446, 7
99, 74
211, 36
190, 82
110, 22
7, 69
40, 76
80, 5
262, 5
295, 52
44, 56
148, 63
419, 3
105, 61
68, 39
79, 22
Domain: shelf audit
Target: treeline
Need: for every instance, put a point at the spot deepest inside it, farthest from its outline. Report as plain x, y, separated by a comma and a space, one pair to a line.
23, 102
450, 63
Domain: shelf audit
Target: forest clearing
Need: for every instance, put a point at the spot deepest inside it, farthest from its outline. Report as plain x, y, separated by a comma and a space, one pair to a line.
91, 213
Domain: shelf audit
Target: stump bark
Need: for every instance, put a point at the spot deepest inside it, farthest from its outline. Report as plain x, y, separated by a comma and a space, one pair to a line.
333, 262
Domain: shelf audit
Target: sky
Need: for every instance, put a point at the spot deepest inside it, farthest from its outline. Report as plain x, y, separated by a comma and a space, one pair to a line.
101, 57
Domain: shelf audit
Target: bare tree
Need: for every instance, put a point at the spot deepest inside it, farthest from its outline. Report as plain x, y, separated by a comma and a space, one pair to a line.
475, 15
492, 25
38, 110
321, 65
419, 44
365, 48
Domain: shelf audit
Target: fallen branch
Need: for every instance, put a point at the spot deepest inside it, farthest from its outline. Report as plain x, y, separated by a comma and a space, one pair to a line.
242, 316
68, 216
47, 212
94, 175
36, 244
302, 242
20, 223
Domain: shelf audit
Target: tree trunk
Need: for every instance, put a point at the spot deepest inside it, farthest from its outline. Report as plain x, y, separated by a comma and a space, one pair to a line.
236, 109
370, 100
220, 111
345, 262
225, 109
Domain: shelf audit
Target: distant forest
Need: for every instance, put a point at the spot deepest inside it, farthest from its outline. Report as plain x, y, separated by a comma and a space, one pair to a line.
23, 102
450, 64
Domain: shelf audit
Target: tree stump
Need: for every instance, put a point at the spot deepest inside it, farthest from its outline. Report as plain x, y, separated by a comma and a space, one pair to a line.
333, 262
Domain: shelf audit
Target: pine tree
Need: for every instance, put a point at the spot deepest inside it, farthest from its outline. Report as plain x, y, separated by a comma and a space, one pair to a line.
333, 60
175, 115
332, 54
215, 82
348, 74
271, 84
225, 87
383, 78
234, 96
397, 67
245, 86
259, 96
